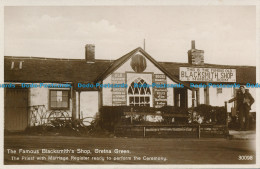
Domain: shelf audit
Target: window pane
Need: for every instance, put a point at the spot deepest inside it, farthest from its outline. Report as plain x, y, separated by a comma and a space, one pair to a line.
65, 98
142, 91
136, 91
130, 90
147, 99
59, 104
65, 93
148, 91
64, 104
59, 99
54, 98
59, 96
141, 99
53, 93
53, 104
136, 99
131, 99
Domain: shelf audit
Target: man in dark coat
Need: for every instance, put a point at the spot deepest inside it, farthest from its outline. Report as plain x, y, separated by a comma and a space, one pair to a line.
244, 101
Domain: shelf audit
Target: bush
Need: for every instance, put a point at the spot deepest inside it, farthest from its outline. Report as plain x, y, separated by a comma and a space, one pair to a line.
208, 114
59, 127
111, 116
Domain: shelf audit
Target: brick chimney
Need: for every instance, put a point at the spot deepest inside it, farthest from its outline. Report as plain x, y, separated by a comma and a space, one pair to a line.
195, 56
90, 53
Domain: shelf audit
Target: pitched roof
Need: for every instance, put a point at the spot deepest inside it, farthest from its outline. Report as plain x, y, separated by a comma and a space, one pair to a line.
52, 70
117, 63
35, 69
244, 74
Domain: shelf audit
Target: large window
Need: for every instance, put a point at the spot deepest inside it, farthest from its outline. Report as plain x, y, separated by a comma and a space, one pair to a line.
139, 94
59, 99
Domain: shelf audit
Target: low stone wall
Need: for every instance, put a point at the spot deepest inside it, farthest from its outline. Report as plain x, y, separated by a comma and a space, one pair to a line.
214, 131
183, 131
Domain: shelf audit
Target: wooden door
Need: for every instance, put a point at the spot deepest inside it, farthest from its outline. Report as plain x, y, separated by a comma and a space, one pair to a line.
16, 112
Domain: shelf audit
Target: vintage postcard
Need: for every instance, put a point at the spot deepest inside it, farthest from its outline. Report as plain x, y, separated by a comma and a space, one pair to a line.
141, 85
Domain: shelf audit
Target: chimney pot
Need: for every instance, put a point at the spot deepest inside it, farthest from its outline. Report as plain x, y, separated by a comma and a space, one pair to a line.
193, 44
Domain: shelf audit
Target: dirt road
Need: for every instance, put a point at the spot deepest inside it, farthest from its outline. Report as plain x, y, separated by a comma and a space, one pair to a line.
82, 150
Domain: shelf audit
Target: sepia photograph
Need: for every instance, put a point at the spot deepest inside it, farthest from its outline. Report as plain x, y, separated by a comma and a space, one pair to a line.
130, 85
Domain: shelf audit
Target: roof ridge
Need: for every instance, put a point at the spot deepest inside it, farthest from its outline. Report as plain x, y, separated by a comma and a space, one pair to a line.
121, 59
205, 64
44, 58
110, 60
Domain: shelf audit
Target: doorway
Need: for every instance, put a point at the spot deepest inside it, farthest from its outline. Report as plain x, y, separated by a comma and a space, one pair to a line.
15, 107
180, 98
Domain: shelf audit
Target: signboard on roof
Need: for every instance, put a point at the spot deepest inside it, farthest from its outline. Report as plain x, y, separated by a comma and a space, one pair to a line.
207, 74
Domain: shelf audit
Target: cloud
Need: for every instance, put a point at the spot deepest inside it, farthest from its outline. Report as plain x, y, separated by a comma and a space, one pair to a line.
57, 27
61, 32
98, 29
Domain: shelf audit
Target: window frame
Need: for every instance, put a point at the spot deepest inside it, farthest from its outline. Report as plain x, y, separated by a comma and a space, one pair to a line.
145, 95
59, 108
219, 90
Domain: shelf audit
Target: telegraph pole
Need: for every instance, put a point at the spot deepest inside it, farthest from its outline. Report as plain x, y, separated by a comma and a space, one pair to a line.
144, 44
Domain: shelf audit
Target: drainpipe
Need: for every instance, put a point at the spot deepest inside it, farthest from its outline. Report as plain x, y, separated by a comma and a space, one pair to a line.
79, 104
73, 96
226, 114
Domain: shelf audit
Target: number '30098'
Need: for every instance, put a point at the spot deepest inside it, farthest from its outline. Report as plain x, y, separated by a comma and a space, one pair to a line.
245, 157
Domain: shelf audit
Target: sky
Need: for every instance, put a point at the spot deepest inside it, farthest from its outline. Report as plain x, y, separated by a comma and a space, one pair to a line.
227, 34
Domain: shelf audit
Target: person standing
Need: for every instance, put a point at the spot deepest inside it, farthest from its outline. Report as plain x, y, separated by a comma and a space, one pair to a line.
244, 101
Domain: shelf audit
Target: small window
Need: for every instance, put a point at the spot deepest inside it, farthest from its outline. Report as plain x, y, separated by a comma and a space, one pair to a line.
21, 65
219, 90
59, 99
12, 65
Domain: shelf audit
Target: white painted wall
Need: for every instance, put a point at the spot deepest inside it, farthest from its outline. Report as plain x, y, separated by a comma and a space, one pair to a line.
219, 99
201, 94
107, 93
40, 96
170, 96
189, 98
88, 105
131, 76
88, 100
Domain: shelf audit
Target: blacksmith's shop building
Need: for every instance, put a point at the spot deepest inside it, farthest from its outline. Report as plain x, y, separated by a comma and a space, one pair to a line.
32, 106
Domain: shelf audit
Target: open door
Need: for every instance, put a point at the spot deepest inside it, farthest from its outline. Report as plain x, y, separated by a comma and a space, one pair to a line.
180, 97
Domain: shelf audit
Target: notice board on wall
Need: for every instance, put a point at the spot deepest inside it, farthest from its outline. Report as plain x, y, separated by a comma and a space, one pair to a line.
160, 94
118, 94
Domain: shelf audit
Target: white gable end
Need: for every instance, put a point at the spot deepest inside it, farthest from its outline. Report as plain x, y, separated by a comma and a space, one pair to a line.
126, 74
